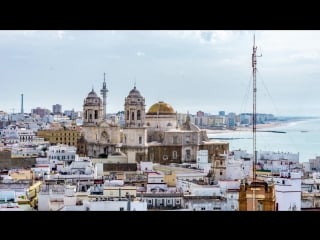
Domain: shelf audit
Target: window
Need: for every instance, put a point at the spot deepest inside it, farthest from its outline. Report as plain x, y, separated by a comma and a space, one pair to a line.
188, 154
132, 116
221, 173
96, 114
138, 115
128, 115
174, 154
140, 140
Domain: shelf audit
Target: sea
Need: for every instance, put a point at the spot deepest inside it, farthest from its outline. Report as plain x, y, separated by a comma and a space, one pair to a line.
302, 137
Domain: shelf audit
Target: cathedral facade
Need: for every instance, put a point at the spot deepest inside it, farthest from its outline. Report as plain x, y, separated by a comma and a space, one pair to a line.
100, 136
154, 135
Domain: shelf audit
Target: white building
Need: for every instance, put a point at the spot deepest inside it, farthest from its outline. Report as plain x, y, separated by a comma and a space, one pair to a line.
315, 164
61, 155
156, 182
201, 197
230, 190
54, 197
288, 191
146, 166
202, 161
311, 191
306, 166
278, 161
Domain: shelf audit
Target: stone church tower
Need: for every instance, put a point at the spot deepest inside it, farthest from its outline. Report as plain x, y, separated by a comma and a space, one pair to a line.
92, 109
100, 136
134, 132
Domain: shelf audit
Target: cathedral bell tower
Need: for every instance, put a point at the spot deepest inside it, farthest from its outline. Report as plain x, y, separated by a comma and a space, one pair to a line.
134, 109
134, 131
92, 109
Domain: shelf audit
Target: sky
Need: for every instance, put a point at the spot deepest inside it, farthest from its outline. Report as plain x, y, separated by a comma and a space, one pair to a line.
207, 71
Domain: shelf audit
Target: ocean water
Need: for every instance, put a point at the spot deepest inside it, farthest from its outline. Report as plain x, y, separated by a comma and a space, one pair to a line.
301, 137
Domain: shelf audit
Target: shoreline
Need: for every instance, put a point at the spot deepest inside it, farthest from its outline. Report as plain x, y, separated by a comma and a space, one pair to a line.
249, 129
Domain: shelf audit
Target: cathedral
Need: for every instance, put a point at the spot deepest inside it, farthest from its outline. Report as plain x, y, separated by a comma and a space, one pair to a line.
155, 135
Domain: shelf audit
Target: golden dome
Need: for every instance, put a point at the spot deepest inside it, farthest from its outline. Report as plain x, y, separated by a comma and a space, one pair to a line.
161, 108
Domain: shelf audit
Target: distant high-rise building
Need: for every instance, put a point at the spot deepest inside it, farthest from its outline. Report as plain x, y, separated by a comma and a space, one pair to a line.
57, 109
222, 113
200, 114
40, 111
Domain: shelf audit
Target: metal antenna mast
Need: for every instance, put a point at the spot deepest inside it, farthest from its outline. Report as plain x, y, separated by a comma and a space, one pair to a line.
254, 116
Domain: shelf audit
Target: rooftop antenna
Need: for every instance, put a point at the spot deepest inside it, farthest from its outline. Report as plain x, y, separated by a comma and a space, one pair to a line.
254, 116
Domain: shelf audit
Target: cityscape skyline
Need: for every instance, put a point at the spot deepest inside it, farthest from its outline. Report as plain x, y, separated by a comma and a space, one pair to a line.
207, 71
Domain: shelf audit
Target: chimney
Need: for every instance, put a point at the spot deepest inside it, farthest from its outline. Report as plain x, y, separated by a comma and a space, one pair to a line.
22, 103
